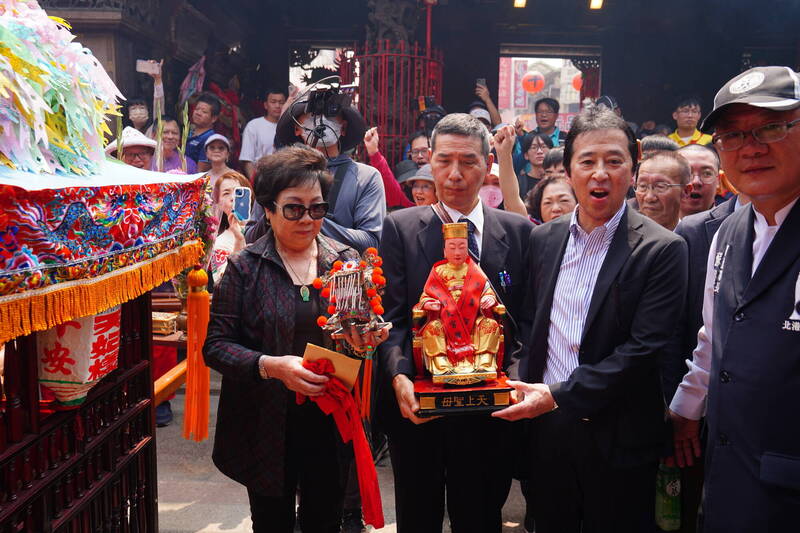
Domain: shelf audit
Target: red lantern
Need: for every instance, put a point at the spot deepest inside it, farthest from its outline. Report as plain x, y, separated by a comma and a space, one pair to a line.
577, 81
533, 82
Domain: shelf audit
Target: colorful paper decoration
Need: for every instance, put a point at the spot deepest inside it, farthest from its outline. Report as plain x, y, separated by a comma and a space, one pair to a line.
54, 95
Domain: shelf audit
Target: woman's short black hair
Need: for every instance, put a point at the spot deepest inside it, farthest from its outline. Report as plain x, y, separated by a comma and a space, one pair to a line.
533, 200
291, 166
527, 141
599, 118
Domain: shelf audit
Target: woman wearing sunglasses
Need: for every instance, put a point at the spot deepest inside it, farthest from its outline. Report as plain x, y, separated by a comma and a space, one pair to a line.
264, 312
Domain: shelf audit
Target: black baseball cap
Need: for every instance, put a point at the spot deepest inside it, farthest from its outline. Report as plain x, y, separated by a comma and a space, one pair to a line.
776, 88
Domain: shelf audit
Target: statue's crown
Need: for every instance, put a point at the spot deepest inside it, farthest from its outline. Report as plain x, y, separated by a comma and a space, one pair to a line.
455, 230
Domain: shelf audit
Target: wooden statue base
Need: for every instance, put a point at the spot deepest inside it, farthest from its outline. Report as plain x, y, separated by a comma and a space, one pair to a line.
443, 399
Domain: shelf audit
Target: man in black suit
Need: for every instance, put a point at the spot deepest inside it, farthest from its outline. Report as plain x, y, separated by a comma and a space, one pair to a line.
466, 454
745, 370
606, 286
697, 230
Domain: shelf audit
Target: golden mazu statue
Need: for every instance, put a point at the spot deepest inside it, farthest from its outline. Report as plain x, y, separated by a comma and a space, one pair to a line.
460, 344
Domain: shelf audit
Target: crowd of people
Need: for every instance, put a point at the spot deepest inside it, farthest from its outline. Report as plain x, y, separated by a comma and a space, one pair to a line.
652, 279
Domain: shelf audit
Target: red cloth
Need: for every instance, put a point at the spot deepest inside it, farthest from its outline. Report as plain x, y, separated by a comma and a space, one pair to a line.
164, 358
458, 319
394, 193
338, 401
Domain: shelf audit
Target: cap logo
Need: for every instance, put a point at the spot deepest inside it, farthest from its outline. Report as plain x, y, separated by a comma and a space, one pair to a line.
747, 83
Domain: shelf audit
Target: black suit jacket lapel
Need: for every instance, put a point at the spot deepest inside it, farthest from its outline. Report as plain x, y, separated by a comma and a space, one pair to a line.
626, 238
552, 255
782, 252
721, 211
430, 238
494, 247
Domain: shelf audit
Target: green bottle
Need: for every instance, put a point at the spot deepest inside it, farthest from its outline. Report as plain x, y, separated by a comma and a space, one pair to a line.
668, 498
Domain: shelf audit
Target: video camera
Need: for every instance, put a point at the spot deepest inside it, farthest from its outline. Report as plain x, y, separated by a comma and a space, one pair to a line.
430, 113
329, 99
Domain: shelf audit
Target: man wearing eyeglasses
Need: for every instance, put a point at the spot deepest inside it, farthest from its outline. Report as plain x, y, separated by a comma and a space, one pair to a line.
704, 163
745, 370
546, 115
686, 116
662, 179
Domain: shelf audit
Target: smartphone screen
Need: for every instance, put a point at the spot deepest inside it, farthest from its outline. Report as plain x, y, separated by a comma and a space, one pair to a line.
241, 203
481, 82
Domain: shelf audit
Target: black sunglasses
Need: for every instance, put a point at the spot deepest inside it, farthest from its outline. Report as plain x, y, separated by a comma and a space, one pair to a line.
297, 211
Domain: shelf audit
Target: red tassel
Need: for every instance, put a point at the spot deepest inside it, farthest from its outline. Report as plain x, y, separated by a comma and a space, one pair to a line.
195, 420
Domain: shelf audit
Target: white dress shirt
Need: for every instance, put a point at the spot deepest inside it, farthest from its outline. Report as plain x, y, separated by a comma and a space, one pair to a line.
475, 216
580, 267
690, 399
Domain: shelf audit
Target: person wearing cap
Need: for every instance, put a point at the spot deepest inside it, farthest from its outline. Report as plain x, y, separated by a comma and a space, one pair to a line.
217, 149
492, 116
686, 116
423, 188
395, 197
478, 110
137, 148
745, 370
357, 200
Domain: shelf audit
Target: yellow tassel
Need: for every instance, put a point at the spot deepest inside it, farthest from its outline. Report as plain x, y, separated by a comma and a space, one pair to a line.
39, 310
195, 419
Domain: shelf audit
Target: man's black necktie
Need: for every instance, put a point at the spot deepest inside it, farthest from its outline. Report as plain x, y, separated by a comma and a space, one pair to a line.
472, 241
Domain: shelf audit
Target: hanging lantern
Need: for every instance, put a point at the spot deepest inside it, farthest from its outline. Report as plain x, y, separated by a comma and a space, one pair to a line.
533, 81
577, 81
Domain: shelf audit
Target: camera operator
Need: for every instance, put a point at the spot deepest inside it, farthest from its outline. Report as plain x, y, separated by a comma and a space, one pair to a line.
325, 120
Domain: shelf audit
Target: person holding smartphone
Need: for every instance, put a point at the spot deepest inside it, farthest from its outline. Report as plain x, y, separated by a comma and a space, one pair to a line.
230, 236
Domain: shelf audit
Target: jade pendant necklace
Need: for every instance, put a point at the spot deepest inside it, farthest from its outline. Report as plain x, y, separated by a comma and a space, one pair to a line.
305, 293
